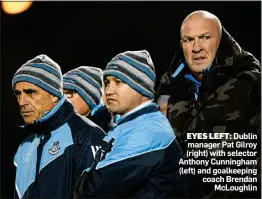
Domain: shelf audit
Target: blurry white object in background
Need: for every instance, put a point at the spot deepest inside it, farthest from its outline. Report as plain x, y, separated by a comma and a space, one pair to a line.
15, 7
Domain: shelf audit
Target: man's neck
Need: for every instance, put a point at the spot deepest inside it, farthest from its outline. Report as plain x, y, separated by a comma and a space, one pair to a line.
198, 76
144, 104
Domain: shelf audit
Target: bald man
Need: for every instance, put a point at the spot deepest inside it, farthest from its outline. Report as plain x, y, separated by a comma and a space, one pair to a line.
213, 86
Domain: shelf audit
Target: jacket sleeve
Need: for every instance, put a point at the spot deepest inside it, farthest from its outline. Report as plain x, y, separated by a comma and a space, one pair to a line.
117, 179
122, 177
87, 143
245, 104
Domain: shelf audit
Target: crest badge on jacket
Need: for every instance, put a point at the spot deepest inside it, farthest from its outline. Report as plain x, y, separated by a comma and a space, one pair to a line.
55, 148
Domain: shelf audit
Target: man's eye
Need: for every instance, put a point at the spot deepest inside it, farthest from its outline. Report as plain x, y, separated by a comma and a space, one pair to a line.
187, 40
118, 81
30, 92
17, 93
204, 37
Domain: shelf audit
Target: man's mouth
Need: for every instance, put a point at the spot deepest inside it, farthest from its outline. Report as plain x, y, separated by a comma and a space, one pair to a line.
110, 100
199, 58
26, 113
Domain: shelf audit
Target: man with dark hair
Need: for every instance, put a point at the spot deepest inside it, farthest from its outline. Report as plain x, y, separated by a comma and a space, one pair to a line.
61, 143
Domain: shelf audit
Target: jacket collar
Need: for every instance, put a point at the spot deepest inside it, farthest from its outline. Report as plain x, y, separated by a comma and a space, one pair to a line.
97, 108
145, 108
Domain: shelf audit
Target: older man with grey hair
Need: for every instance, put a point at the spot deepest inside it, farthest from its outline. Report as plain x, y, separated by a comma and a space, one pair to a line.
213, 86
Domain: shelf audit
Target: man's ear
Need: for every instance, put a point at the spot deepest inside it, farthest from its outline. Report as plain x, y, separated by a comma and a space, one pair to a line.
54, 99
181, 43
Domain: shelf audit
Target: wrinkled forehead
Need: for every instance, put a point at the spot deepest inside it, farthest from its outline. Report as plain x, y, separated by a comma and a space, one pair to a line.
197, 25
23, 86
26, 85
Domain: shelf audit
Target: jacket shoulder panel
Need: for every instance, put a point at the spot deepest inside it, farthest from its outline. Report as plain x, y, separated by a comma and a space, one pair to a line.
142, 135
60, 139
26, 157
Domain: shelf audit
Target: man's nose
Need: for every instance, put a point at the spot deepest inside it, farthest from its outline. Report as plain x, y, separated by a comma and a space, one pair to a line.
22, 100
109, 89
196, 46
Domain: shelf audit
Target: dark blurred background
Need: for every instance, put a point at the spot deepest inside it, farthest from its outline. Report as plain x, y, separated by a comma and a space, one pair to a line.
91, 33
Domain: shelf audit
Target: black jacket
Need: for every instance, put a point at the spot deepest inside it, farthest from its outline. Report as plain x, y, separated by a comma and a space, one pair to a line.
103, 118
228, 102
62, 144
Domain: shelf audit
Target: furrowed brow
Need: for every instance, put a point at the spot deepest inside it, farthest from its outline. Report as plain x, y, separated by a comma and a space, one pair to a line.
187, 37
29, 91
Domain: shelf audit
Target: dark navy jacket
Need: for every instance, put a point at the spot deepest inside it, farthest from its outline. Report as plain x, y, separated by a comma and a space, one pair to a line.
139, 158
62, 144
102, 117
